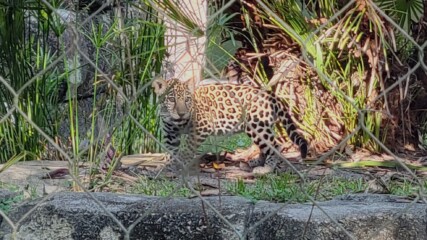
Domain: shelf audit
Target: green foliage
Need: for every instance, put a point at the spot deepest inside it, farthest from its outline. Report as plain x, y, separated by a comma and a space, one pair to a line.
286, 188
145, 52
22, 55
221, 43
402, 11
159, 187
338, 186
178, 12
282, 188
346, 58
406, 187
7, 204
128, 119
423, 136
217, 144
25, 55
348, 44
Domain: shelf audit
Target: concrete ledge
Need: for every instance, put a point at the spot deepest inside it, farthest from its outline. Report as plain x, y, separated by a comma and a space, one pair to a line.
77, 216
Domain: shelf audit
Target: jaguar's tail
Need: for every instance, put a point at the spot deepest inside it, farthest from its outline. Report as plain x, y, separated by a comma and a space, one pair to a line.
293, 134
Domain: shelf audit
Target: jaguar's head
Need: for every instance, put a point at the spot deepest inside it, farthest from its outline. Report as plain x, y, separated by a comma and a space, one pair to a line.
175, 98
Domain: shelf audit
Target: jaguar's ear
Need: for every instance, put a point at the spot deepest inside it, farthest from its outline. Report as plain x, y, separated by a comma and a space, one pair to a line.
160, 85
191, 83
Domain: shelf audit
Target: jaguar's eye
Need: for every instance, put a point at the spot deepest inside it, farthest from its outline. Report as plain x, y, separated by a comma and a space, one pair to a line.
171, 99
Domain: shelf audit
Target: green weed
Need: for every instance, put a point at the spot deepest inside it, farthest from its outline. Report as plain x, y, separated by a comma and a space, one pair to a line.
159, 187
7, 204
287, 188
405, 187
22, 56
284, 187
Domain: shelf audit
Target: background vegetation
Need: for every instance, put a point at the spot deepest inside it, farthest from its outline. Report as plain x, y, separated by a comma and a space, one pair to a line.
348, 70
343, 63
127, 47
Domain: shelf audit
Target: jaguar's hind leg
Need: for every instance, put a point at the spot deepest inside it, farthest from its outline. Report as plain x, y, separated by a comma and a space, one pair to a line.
265, 140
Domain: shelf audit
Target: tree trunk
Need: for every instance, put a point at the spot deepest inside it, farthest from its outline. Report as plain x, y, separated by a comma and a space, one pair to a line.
186, 51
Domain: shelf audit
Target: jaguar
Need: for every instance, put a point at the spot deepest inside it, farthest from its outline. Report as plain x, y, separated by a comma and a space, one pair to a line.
223, 108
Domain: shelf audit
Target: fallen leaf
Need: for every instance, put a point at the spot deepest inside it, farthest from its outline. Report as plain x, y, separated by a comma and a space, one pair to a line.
210, 192
218, 166
57, 174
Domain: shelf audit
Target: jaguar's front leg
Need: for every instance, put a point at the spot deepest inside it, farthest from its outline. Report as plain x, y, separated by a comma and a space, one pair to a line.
172, 139
189, 154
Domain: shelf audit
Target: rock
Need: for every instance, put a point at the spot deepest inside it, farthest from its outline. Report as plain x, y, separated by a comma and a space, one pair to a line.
77, 216
91, 5
29, 177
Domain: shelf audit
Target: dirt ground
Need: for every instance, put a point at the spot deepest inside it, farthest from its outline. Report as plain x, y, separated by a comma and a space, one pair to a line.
45, 177
214, 170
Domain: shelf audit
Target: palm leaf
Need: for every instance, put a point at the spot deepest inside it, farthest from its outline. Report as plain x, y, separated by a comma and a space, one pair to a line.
177, 12
403, 11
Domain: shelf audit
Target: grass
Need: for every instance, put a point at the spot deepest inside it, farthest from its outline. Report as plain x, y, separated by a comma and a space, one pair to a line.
405, 187
138, 54
159, 187
285, 187
7, 203
22, 54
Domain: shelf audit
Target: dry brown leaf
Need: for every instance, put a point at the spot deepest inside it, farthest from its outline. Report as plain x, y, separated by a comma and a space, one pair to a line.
218, 166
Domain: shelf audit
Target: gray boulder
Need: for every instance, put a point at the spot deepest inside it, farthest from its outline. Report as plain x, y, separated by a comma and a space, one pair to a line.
77, 216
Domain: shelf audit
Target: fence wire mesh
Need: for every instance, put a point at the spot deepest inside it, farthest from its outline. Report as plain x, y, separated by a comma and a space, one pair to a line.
350, 75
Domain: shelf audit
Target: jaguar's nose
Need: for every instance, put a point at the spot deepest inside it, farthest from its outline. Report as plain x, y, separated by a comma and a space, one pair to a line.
181, 114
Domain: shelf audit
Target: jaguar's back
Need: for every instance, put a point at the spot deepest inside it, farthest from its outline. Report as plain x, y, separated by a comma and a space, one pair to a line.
220, 109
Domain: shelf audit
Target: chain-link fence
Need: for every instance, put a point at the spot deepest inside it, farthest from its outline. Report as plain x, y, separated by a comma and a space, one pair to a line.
76, 86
